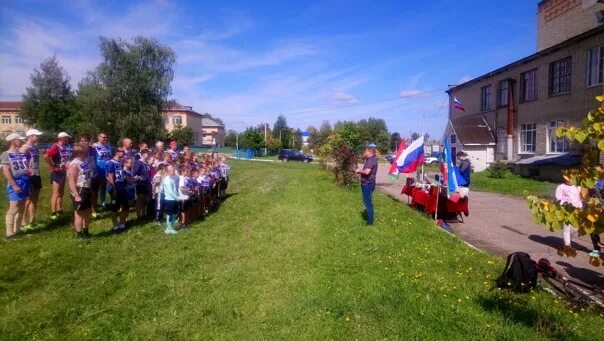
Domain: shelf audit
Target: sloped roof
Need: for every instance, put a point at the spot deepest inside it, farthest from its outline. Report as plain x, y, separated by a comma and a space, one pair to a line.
10, 105
208, 122
472, 130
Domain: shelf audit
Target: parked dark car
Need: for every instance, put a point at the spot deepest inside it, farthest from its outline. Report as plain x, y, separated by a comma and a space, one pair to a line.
389, 157
294, 155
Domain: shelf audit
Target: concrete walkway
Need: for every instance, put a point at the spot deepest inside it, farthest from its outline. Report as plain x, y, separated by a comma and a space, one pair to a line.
502, 224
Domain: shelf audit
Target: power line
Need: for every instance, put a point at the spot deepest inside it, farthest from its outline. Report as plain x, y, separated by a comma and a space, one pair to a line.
365, 103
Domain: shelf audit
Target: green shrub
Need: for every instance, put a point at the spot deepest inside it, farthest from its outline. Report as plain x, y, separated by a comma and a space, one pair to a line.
498, 170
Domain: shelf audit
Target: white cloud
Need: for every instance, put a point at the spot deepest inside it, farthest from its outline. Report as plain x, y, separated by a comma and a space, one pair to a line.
464, 79
342, 97
412, 93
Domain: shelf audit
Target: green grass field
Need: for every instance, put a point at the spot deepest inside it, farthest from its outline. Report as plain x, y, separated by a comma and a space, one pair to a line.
512, 184
287, 256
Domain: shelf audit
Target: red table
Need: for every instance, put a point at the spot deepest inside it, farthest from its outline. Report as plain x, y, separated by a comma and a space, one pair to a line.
427, 201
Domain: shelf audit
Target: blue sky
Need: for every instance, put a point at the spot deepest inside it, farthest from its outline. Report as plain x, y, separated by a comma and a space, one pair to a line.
248, 61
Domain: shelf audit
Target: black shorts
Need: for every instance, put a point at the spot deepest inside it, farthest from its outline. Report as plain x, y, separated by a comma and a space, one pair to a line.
143, 188
86, 203
35, 182
121, 201
224, 183
96, 183
58, 177
184, 204
170, 207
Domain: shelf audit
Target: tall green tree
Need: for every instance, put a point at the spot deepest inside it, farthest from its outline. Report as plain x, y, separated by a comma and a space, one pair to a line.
183, 135
375, 130
230, 140
252, 138
49, 101
124, 95
395, 141
282, 131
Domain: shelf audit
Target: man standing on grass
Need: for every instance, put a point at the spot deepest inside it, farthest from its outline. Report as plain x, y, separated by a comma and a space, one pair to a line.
367, 174
32, 154
14, 169
58, 157
103, 154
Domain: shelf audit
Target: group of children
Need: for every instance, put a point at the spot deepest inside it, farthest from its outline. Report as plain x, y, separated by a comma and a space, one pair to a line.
181, 185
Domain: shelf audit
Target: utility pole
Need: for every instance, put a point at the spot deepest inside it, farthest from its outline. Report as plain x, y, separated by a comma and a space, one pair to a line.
237, 142
265, 127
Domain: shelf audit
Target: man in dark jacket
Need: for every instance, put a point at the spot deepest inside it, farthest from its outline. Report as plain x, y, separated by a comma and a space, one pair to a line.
367, 174
464, 167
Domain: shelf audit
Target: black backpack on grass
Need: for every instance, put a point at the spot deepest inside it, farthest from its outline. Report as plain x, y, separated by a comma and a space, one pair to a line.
519, 274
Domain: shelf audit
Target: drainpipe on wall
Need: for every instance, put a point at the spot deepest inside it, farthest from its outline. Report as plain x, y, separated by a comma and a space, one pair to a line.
511, 110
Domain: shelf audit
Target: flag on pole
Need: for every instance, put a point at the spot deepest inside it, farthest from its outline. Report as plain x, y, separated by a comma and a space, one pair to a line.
410, 158
450, 171
393, 172
457, 104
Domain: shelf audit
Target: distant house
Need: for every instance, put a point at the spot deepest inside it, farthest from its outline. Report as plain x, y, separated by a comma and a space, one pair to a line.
207, 132
523, 103
11, 121
472, 135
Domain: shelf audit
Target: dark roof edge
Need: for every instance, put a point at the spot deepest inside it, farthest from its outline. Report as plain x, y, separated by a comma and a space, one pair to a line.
541, 53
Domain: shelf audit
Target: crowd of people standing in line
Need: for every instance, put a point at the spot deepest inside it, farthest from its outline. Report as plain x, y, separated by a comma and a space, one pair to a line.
175, 185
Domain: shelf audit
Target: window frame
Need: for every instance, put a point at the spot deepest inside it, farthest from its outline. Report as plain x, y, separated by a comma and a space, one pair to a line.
485, 97
7, 119
500, 97
18, 119
552, 130
174, 118
554, 86
523, 86
600, 59
453, 138
521, 142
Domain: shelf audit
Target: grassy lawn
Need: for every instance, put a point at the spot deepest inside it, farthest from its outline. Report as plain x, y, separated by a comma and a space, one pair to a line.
287, 256
512, 184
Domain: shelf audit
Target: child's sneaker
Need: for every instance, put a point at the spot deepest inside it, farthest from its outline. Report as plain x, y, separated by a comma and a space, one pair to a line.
95, 215
594, 253
121, 227
170, 231
116, 229
27, 227
54, 216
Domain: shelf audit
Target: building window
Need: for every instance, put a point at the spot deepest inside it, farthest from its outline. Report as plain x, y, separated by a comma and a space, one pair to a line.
559, 76
502, 135
528, 137
504, 88
485, 98
556, 144
595, 66
453, 138
18, 120
177, 120
6, 120
528, 86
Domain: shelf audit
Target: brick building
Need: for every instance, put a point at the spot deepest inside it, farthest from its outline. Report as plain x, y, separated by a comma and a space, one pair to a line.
207, 132
524, 102
10, 118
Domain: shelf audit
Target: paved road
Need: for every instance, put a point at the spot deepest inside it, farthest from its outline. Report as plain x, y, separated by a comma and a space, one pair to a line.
502, 224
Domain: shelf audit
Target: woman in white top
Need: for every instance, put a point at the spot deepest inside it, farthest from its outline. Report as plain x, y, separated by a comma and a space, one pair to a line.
79, 179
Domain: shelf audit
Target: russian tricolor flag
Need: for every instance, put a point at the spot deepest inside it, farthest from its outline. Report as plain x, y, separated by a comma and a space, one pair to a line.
457, 104
408, 159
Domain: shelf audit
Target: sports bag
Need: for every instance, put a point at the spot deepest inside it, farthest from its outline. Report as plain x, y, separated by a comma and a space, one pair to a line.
519, 274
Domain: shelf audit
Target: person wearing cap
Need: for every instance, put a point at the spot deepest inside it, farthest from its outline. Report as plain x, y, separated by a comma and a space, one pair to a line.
103, 154
58, 157
14, 169
465, 167
32, 154
367, 173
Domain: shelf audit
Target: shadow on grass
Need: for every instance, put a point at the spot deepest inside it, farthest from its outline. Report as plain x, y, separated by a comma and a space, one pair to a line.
516, 309
50, 225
